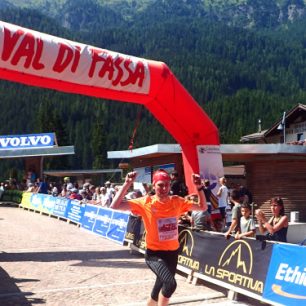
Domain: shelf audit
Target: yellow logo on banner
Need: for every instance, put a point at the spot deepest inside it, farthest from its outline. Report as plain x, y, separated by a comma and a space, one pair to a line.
235, 266
185, 236
187, 243
278, 290
233, 253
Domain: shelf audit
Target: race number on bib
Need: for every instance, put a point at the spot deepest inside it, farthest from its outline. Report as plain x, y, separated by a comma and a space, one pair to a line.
167, 229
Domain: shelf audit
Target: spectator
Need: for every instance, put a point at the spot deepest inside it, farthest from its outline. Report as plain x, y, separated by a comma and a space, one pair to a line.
222, 195
64, 191
31, 188
277, 226
199, 220
75, 194
42, 186
96, 197
177, 186
110, 190
236, 214
105, 198
228, 214
247, 225
245, 195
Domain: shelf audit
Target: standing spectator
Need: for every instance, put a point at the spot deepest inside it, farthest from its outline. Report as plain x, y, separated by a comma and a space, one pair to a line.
245, 195
64, 191
247, 225
178, 187
105, 197
1, 190
236, 214
228, 214
277, 226
110, 190
42, 186
222, 195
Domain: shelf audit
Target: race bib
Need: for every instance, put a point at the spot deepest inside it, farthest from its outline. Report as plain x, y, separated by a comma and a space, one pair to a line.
167, 229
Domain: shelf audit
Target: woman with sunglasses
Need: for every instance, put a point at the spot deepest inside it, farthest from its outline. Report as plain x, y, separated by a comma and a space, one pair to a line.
277, 226
160, 213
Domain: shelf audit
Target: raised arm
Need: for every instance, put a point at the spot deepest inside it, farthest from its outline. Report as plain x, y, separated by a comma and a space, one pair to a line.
118, 201
201, 203
265, 225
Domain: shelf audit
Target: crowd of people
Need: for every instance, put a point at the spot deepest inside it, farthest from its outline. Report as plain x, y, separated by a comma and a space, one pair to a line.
165, 204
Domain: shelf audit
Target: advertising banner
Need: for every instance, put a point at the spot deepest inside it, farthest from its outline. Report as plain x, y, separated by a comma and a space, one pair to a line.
26, 200
286, 279
117, 226
75, 211
89, 218
103, 220
241, 263
210, 165
60, 207
48, 204
27, 141
37, 200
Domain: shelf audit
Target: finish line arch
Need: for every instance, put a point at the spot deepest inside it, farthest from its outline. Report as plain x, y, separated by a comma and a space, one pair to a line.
42, 60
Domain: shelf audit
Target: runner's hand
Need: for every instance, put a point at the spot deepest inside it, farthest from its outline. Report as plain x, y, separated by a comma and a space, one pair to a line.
196, 178
130, 177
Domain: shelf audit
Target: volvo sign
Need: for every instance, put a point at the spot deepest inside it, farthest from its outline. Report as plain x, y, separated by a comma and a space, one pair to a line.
27, 141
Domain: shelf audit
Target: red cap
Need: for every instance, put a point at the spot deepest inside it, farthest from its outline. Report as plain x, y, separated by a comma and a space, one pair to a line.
161, 175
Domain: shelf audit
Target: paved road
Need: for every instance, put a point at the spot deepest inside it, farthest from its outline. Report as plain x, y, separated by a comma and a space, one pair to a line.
46, 261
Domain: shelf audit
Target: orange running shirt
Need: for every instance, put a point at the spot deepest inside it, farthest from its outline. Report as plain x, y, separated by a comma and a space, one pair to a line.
160, 220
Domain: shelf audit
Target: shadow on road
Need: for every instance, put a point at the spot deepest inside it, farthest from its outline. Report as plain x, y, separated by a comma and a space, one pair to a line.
10, 294
120, 258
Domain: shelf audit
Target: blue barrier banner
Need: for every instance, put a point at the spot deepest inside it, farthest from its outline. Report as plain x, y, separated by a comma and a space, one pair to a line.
286, 278
118, 226
60, 207
75, 211
89, 217
37, 200
103, 220
27, 141
48, 204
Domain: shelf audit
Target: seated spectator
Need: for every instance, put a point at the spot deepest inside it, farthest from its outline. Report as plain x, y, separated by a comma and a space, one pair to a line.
277, 226
247, 225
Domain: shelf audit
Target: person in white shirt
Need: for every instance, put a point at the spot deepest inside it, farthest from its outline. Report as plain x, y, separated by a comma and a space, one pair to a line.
222, 195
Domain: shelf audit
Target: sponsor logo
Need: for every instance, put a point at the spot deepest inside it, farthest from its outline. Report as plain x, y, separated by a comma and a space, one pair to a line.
42, 140
290, 275
235, 266
187, 244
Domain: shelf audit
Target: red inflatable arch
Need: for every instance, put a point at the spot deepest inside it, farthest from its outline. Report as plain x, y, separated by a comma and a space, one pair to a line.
38, 59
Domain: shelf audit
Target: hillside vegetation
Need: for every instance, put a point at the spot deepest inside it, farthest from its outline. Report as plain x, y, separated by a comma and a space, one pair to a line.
240, 60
